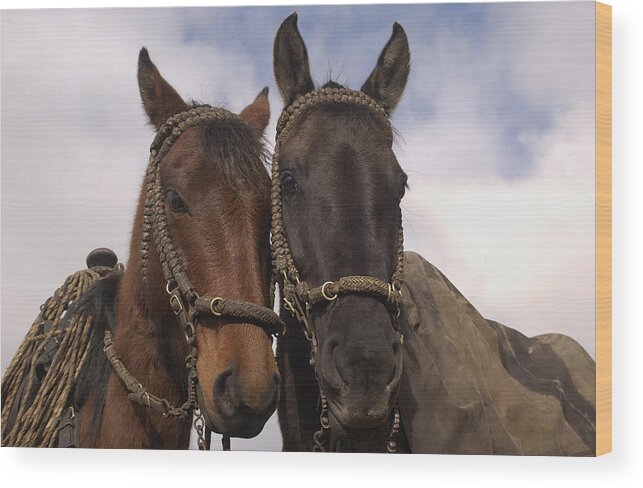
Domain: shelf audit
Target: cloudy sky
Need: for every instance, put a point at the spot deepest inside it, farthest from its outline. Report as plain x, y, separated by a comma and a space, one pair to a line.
496, 124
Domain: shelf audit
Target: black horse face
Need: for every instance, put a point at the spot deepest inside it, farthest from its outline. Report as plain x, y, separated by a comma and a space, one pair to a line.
341, 187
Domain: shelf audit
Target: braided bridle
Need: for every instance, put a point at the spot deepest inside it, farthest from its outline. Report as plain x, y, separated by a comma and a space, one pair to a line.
297, 295
184, 300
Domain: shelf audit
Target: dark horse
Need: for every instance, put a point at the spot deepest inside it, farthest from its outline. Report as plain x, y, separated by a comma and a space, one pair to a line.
341, 187
468, 385
216, 190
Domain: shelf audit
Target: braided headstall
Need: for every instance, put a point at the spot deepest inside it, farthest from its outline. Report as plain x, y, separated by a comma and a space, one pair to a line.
298, 297
186, 303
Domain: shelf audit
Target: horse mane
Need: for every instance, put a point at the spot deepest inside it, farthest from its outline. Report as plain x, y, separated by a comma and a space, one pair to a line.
332, 84
237, 150
100, 302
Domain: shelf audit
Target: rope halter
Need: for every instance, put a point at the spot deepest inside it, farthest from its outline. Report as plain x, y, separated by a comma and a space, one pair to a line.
184, 299
299, 298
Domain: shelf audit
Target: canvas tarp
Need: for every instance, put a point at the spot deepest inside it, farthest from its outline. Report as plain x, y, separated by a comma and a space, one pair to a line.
474, 386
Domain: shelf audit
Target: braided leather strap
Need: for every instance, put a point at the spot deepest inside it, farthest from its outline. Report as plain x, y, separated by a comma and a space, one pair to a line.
355, 285
326, 95
137, 393
241, 311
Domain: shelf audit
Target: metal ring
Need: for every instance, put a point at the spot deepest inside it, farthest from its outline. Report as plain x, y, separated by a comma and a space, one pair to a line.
214, 301
174, 299
309, 335
167, 288
392, 290
330, 298
399, 291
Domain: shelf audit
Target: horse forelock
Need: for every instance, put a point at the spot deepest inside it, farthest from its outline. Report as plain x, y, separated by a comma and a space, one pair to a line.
236, 150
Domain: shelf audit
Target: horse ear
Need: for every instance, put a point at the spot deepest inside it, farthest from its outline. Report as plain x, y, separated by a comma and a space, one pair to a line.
290, 61
387, 81
257, 114
160, 100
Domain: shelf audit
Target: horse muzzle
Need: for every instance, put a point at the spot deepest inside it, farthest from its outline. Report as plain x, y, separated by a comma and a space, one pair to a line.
230, 415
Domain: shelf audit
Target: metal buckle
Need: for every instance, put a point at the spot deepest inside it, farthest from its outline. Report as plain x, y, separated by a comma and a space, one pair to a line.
214, 301
176, 304
330, 298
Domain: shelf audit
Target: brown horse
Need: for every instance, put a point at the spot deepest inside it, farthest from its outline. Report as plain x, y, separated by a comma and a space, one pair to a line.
216, 190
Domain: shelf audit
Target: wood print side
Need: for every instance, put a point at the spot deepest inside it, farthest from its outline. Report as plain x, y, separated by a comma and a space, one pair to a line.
603, 229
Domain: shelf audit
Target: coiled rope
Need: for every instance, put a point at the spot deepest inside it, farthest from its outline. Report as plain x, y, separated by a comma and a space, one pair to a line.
40, 379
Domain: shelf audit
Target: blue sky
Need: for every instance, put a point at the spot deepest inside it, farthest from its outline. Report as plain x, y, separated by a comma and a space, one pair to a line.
496, 133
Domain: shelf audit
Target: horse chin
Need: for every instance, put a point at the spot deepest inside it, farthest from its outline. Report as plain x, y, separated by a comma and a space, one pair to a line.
366, 429
242, 424
243, 427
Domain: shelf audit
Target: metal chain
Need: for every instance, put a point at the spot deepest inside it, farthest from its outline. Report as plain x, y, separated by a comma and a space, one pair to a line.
391, 445
322, 436
199, 424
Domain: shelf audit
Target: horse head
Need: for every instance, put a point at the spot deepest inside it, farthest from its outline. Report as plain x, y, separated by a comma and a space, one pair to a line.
216, 191
340, 187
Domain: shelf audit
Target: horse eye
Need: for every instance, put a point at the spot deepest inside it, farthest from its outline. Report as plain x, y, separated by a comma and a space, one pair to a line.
288, 183
177, 205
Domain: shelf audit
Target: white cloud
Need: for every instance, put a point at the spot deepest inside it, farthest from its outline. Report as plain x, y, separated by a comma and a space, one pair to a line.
522, 251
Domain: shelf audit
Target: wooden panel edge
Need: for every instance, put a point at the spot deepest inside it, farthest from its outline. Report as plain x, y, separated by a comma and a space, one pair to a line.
603, 229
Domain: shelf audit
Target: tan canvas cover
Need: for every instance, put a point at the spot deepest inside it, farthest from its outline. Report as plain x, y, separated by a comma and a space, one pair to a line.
473, 386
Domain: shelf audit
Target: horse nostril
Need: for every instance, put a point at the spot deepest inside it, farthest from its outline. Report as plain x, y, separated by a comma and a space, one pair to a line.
224, 392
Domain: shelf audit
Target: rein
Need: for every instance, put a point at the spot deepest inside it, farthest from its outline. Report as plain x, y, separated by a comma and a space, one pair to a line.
299, 298
184, 300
